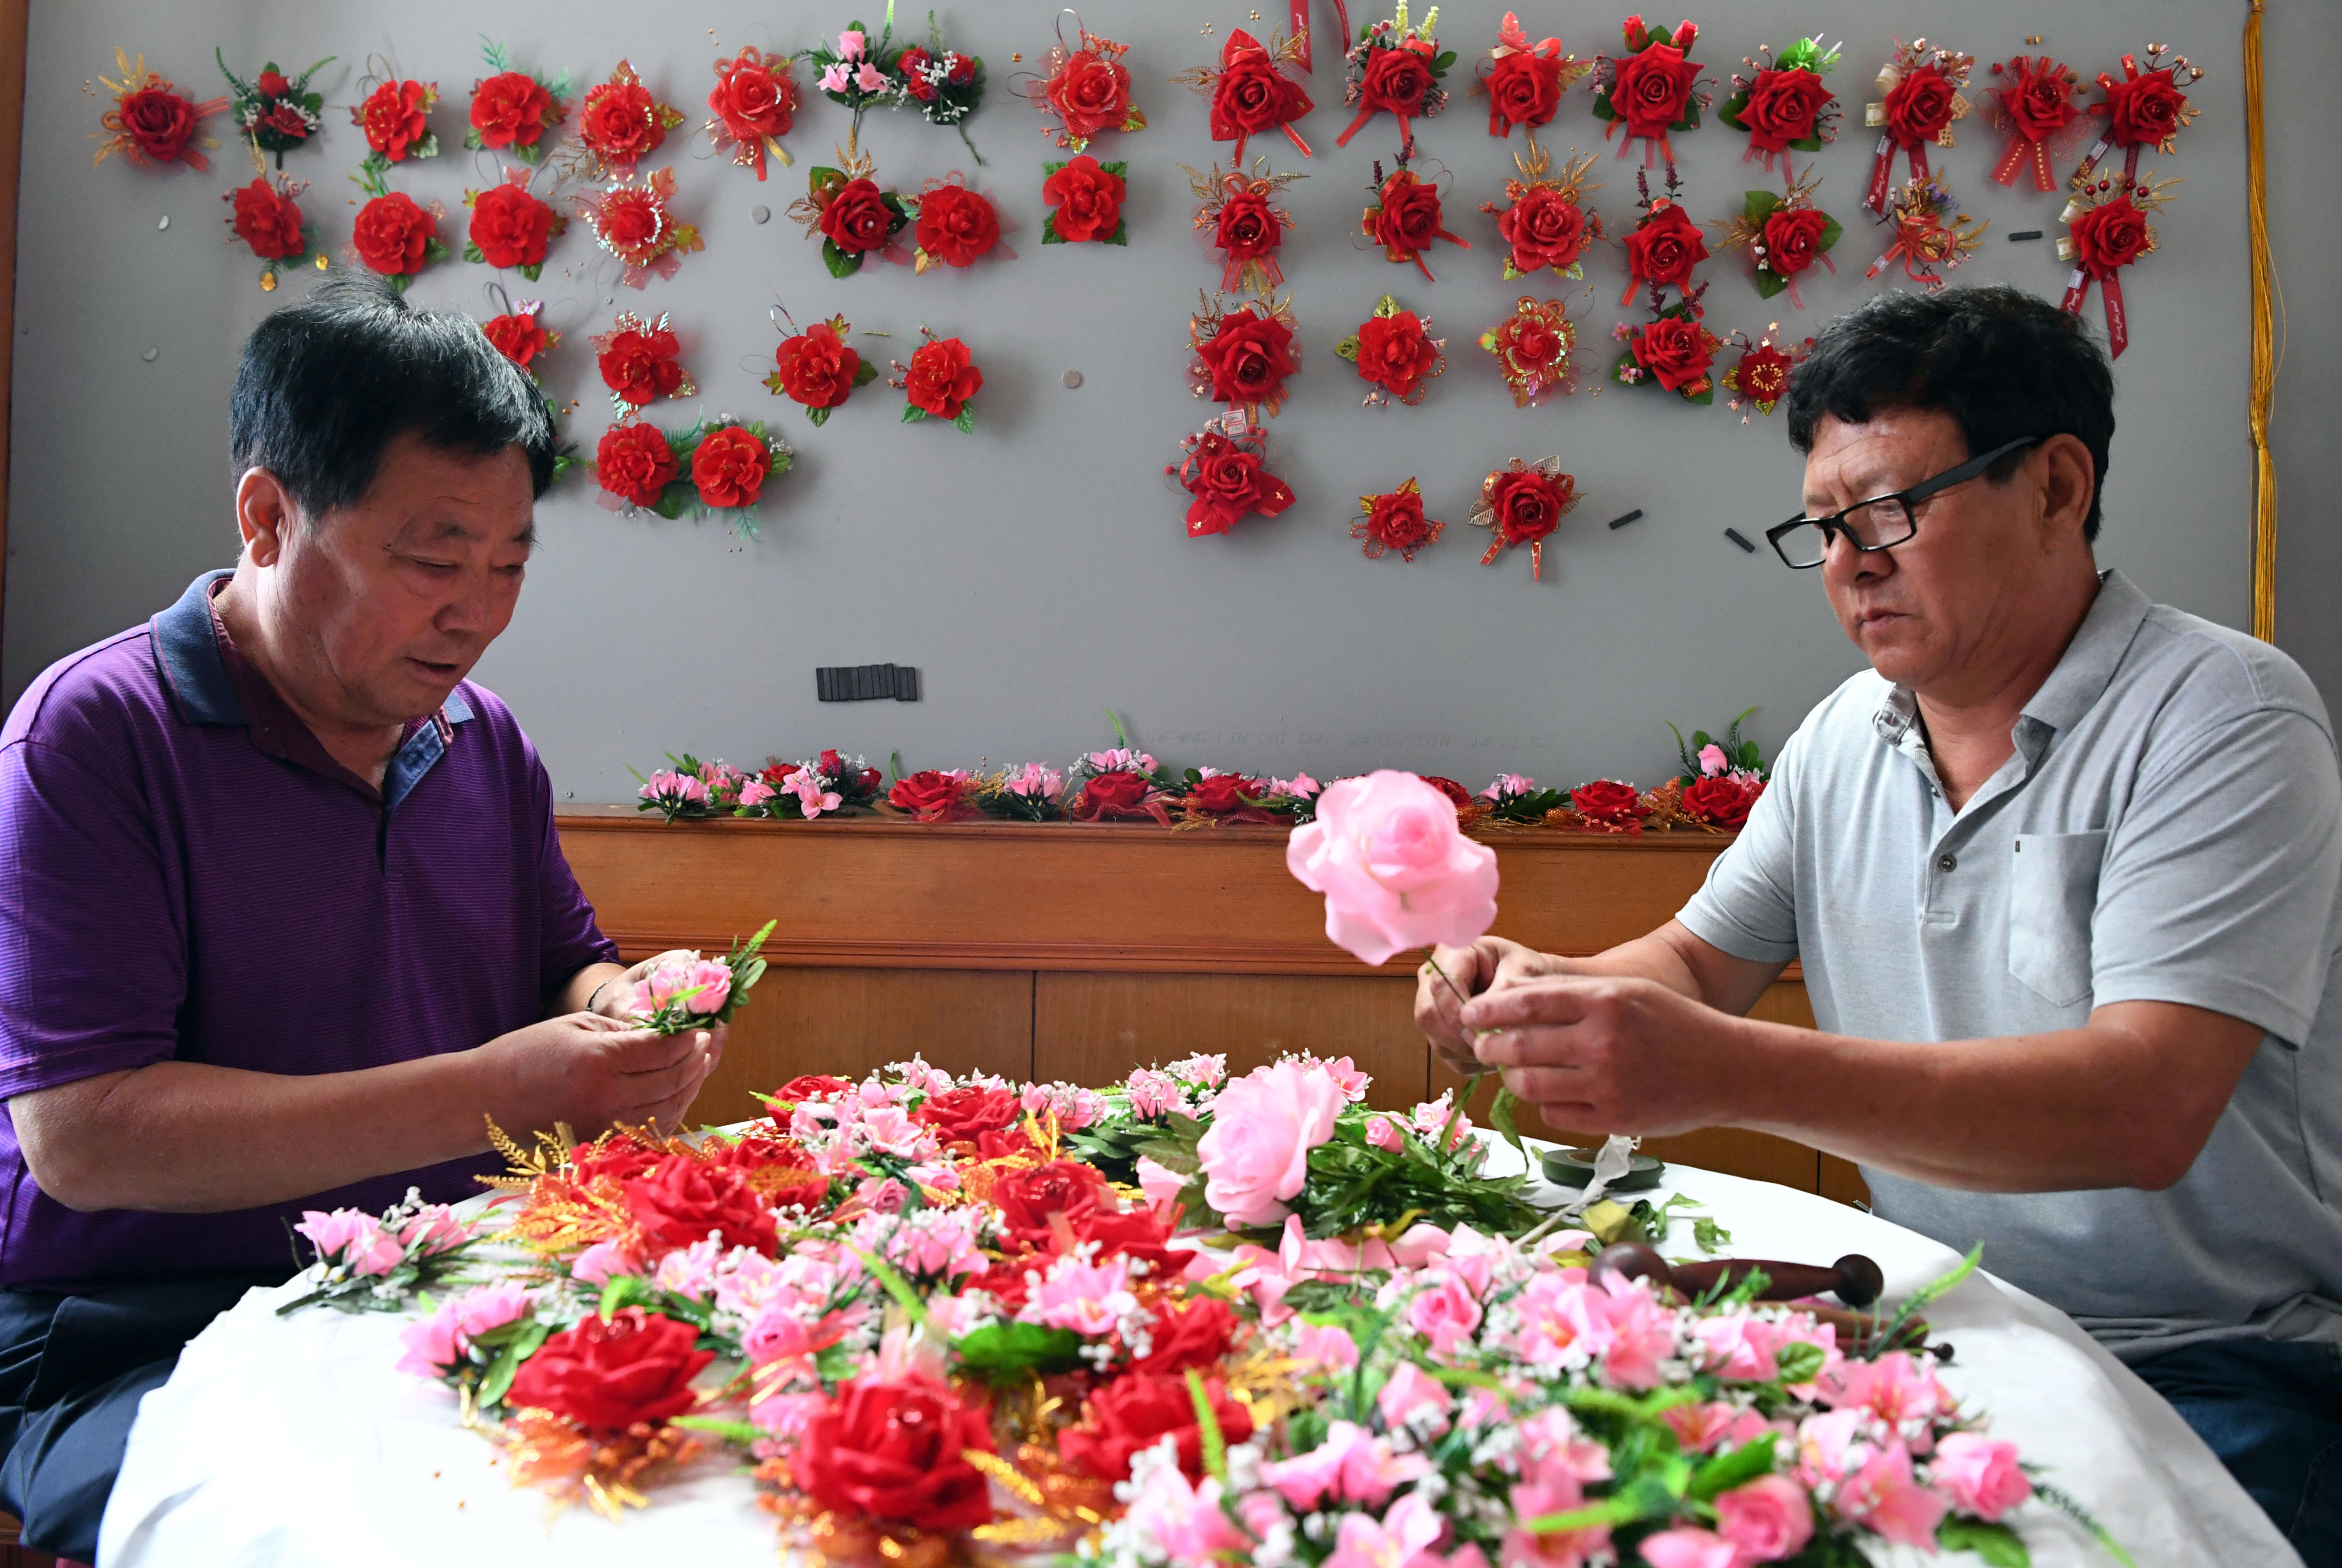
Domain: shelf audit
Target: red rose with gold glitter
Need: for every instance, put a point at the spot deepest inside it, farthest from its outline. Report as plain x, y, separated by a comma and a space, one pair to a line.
1529, 505
634, 462
755, 102
1140, 1409
1723, 801
1396, 353
269, 220
1793, 238
620, 120
1664, 249
1545, 229
1606, 802
1395, 520
1248, 358
815, 367
510, 109
2143, 112
730, 465
1524, 89
1090, 94
2109, 236
1229, 482
393, 118
1919, 106
942, 378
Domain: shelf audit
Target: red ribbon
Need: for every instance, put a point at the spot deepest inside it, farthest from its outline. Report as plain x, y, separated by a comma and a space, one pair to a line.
1882, 171
2078, 294
2019, 143
1301, 29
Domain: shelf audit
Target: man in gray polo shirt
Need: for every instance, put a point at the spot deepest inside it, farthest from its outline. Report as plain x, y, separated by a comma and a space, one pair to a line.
2063, 871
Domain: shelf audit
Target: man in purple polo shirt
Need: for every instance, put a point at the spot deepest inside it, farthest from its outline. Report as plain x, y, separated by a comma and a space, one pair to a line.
281, 910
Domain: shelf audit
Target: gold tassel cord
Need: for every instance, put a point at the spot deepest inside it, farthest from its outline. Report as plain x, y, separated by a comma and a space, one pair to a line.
2267, 302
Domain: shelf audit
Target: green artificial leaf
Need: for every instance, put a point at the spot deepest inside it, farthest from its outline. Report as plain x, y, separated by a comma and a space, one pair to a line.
427, 147
436, 250
819, 415
1500, 1116
1769, 283
1759, 205
1730, 113
1602, 109
532, 271
1799, 1362
1807, 143
1121, 235
913, 413
1512, 271
1005, 1353
743, 1433
1727, 1471
471, 139
473, 253
1830, 232
1207, 1423
1348, 348
674, 499
1118, 170
620, 1291
834, 1363
1048, 169
966, 420
1439, 67
1707, 1235
1998, 1544
533, 153
841, 264
506, 1366
821, 175
398, 281
1049, 234
864, 374
1705, 397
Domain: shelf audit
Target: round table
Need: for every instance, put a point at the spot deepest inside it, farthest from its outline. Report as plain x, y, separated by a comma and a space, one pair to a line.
288, 1442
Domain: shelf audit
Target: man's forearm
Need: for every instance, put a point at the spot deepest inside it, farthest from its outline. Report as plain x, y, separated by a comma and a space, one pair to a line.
1686, 966
578, 995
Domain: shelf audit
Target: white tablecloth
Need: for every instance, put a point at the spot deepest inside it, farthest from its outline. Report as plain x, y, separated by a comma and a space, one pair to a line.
289, 1442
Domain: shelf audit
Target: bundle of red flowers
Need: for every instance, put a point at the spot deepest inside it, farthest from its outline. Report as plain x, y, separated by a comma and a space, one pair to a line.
276, 113
641, 360
718, 466
267, 218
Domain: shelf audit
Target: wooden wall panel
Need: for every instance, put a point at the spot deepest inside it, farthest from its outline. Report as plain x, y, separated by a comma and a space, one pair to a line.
1841, 1180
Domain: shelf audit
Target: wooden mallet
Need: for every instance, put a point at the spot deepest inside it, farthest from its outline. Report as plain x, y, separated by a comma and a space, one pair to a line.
1855, 1279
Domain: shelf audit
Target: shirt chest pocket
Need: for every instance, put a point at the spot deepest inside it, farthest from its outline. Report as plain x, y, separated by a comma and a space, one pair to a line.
2053, 891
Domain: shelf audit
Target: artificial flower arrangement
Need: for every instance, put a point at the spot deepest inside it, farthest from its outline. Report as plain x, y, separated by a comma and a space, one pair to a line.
518, 110
395, 117
1239, 217
1535, 348
1250, 92
152, 122
2106, 231
275, 113
1224, 468
1243, 355
1524, 81
1651, 91
1674, 350
620, 123
2038, 101
1088, 87
266, 217
393, 236
716, 466
754, 105
941, 382
510, 226
1784, 234
1029, 792
2144, 108
1714, 768
640, 360
817, 369
1404, 215
934, 794
1086, 199
1759, 378
1396, 354
1666, 243
1523, 504
1396, 69
1544, 220
1921, 96
518, 333
1395, 520
946, 86
1120, 783
689, 790
1217, 798
1930, 232
635, 223
953, 224
1782, 104
855, 218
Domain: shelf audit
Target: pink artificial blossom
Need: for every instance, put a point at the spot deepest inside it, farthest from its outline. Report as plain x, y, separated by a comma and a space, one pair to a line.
1402, 1537
674, 789
1395, 869
436, 1229
597, 1264
1089, 1299
1352, 1464
1712, 761
433, 1346
1412, 1392
1326, 1345
363, 1246
1509, 785
757, 792
1255, 1154
712, 981
1383, 1132
1767, 1520
1884, 1495
1980, 1475
1445, 1314
1688, 1548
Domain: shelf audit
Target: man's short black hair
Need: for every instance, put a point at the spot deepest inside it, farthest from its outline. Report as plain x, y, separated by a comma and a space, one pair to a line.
327, 384
2001, 362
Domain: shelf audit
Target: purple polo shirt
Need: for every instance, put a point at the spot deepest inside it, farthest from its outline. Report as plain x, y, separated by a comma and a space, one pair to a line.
184, 877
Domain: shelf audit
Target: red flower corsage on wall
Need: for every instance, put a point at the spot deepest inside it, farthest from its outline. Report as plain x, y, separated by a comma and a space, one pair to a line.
392, 235
816, 368
620, 123
1396, 69
941, 382
1785, 234
1243, 355
1249, 93
1929, 233
952, 224
855, 218
635, 223
2144, 109
944, 84
1672, 350
1782, 103
1239, 219
717, 467
518, 110
1396, 354
2107, 231
1665, 244
1920, 98
510, 227
1405, 217
151, 121
1650, 91
273, 112
1544, 222
755, 104
1086, 197
395, 117
1226, 471
2038, 101
266, 217
1535, 348
1394, 521
1759, 378
1524, 81
641, 360
1523, 504
521, 335
1088, 88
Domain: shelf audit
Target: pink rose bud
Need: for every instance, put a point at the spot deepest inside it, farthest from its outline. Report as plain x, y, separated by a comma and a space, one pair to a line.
1712, 761
1768, 1519
1395, 869
1384, 1133
714, 981
1980, 1475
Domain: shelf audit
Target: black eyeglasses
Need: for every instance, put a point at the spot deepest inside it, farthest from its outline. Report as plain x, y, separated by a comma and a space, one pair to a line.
1880, 522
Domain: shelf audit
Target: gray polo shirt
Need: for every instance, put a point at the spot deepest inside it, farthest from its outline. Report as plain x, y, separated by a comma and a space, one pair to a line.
2170, 830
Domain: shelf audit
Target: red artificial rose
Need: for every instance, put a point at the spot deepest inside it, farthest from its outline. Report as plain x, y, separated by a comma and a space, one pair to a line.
1248, 227
1454, 791
2144, 112
931, 795
285, 121
1138, 1410
159, 121
630, 220
511, 228
1088, 198
1027, 1198
1224, 795
912, 65
956, 224
638, 366
621, 121
1764, 375
815, 367
610, 1375
509, 110
1396, 81
1248, 357
1197, 1334
729, 467
2110, 236
753, 100
857, 218
616, 1155
1674, 349
1398, 523
1117, 793
2039, 100
942, 378
1652, 90
519, 338
1724, 801
682, 1199
634, 462
1394, 353
957, 1115
1919, 106
272, 83
1545, 229
1607, 802
1252, 94
393, 118
1229, 483
1782, 107
268, 222
895, 1451
393, 235
1793, 239
811, 1086
1090, 95
1529, 505
1409, 218
1665, 248
1524, 89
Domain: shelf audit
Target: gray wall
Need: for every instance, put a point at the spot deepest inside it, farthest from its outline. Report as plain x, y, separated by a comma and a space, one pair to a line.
1037, 571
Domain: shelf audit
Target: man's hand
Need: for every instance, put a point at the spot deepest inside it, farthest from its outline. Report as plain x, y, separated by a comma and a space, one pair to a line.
1609, 1052
612, 998
1488, 963
594, 1072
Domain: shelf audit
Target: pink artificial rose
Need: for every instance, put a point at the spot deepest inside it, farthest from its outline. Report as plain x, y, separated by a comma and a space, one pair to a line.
365, 1247
435, 1228
1327, 1346
1255, 1155
1767, 1520
1395, 869
1383, 1132
1445, 1314
1884, 1495
432, 1345
599, 1261
714, 980
1980, 1475
1712, 761
490, 1307
1161, 1184
1688, 1548
1410, 1392
1739, 1348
